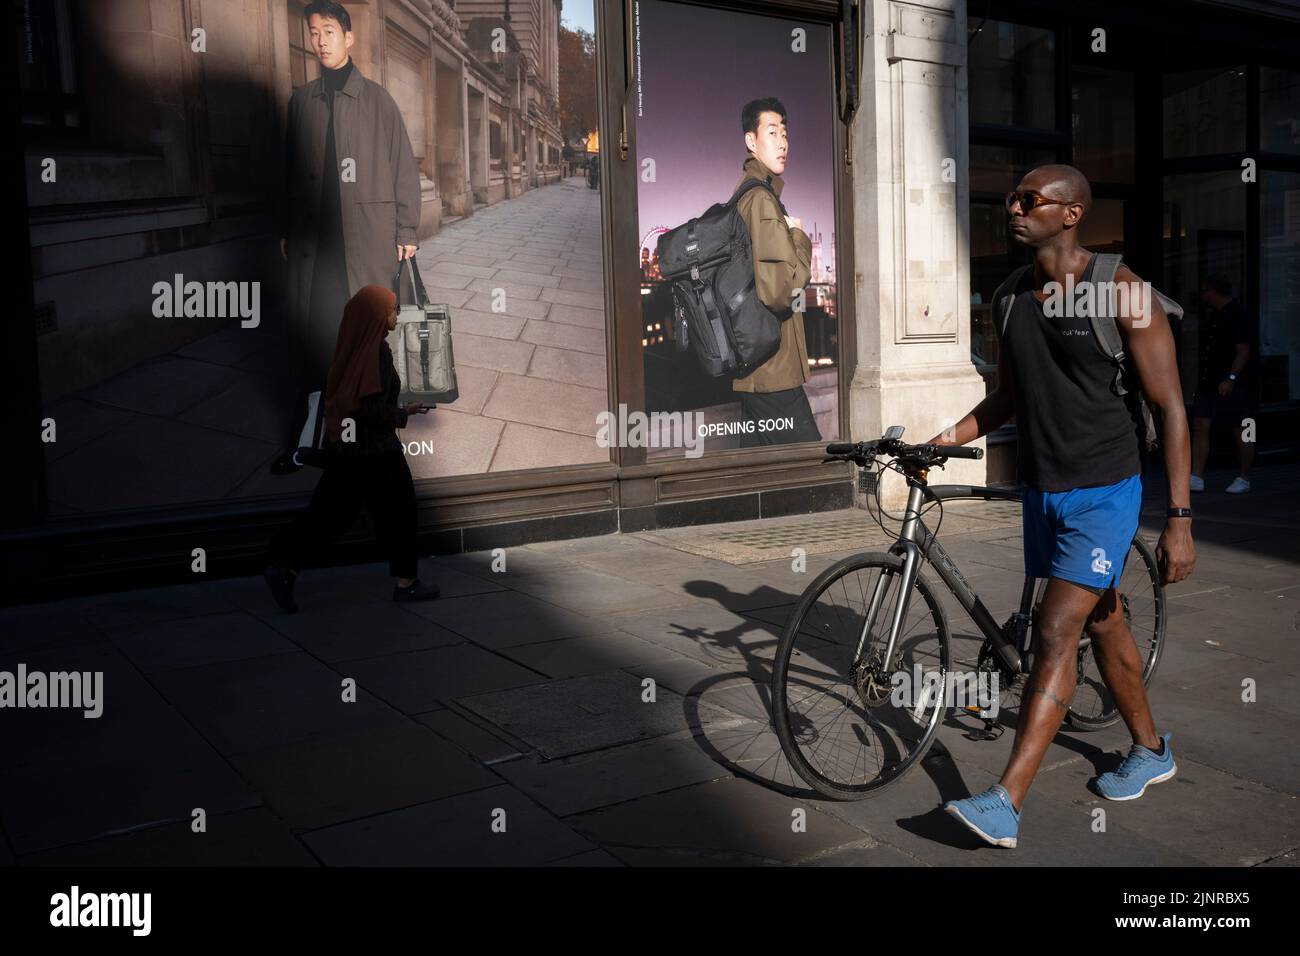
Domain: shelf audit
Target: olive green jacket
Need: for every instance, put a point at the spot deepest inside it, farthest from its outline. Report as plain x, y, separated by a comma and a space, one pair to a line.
782, 266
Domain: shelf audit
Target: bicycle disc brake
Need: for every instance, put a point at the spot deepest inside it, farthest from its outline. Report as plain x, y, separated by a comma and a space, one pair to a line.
865, 677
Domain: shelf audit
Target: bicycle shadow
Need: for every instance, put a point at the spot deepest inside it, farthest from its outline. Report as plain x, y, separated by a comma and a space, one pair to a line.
752, 750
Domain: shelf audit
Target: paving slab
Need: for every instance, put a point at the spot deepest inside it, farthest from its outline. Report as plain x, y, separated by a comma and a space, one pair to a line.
254, 837
499, 621
726, 822
454, 831
201, 640
576, 656
565, 717
1220, 819
359, 773
611, 776
243, 706
485, 744
415, 682
362, 631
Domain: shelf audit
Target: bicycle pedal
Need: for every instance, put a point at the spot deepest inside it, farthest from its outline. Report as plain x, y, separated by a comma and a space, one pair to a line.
991, 730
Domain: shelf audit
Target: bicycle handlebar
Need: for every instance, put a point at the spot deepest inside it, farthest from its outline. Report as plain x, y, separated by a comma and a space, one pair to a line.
925, 453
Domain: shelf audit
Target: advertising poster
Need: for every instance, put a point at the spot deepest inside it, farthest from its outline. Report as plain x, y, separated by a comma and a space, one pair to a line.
696, 70
189, 262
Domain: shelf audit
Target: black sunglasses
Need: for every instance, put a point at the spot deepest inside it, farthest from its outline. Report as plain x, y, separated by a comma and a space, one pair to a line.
1030, 200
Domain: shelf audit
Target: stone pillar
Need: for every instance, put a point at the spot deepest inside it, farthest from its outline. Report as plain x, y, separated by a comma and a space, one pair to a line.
912, 228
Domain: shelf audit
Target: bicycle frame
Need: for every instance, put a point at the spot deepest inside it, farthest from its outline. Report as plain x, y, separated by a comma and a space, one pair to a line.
916, 543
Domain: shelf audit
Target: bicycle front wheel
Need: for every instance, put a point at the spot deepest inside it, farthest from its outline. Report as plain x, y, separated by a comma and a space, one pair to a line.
851, 722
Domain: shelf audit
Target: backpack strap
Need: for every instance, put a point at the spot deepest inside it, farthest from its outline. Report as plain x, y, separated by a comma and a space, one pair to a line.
1105, 331
748, 184
1005, 296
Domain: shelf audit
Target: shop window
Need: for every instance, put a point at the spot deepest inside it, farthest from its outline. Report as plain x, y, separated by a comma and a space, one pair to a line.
1279, 287
689, 133
999, 169
1279, 110
1102, 123
1205, 112
189, 404
994, 171
1204, 234
1102, 230
1012, 74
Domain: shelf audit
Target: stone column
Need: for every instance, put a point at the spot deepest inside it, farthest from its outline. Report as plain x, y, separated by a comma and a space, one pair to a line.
911, 229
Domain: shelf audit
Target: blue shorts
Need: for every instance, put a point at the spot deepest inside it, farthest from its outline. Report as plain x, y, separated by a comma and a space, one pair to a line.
1082, 535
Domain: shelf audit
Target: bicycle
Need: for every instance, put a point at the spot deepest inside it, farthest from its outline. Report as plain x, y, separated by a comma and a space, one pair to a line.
868, 669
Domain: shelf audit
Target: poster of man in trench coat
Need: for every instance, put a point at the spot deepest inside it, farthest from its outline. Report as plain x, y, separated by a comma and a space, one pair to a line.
351, 209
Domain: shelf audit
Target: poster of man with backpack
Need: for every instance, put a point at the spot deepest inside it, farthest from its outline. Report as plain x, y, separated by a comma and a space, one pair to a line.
738, 290
781, 253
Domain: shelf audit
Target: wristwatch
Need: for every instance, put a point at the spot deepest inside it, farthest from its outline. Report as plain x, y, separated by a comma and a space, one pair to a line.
1178, 513
1232, 376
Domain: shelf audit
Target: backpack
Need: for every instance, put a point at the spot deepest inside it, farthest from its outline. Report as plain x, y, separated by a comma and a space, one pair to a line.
716, 309
1104, 330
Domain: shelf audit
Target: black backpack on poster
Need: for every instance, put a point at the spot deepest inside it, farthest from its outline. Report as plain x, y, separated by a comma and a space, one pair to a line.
717, 312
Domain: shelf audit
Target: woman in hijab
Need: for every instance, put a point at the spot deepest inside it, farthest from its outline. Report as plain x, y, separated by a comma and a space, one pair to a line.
363, 459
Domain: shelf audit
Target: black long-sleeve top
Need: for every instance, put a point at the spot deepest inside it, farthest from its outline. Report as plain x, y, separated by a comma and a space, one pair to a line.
377, 416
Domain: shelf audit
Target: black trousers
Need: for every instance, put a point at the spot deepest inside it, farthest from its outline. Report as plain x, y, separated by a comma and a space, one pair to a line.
383, 484
774, 408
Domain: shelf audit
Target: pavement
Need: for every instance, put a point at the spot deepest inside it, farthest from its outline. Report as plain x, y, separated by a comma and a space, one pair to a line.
603, 702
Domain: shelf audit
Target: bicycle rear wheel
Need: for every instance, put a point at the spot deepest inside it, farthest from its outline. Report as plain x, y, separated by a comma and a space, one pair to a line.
849, 722
1143, 598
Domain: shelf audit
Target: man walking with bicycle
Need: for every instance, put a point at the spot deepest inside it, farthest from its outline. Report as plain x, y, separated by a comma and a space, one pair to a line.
1079, 447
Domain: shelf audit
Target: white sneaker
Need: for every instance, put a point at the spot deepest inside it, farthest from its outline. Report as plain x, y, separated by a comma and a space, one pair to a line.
1239, 486
1198, 483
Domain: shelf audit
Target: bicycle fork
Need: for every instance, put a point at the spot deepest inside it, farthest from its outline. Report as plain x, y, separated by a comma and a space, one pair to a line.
911, 558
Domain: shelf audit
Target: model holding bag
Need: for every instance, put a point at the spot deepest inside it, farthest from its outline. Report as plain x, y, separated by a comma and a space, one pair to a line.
362, 457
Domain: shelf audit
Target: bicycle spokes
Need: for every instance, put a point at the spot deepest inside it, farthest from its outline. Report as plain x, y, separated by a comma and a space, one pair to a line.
854, 713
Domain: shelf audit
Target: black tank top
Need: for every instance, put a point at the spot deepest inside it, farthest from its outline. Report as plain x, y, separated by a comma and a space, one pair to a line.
1072, 431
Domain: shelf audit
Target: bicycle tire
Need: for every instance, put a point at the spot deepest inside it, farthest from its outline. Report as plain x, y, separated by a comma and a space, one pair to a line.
888, 563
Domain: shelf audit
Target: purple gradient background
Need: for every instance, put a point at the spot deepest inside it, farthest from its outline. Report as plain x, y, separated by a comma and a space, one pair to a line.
699, 66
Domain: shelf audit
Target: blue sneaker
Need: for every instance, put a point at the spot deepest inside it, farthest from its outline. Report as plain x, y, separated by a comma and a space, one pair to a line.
1140, 769
989, 815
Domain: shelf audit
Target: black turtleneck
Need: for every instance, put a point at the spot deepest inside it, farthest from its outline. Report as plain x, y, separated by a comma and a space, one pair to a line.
329, 278
333, 80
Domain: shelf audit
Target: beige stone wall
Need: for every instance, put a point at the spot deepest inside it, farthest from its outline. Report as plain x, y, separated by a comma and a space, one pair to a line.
911, 228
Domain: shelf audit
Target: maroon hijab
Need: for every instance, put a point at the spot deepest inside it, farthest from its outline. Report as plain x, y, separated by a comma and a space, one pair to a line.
354, 373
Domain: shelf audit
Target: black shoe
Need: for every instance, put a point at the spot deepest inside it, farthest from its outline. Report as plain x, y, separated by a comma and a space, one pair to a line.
285, 463
416, 592
280, 580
